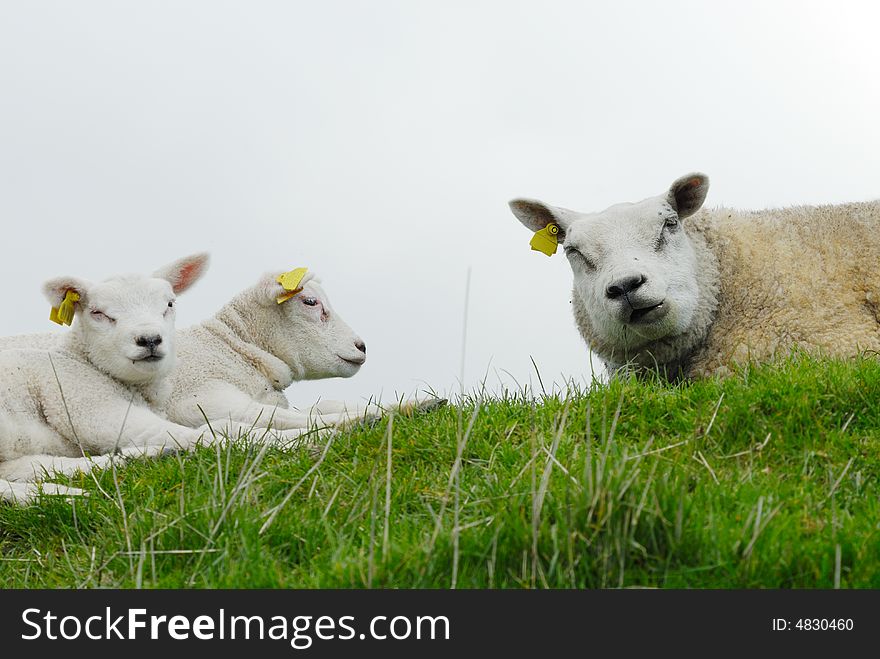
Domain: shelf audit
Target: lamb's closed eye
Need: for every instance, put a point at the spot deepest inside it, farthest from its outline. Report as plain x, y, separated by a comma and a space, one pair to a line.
97, 314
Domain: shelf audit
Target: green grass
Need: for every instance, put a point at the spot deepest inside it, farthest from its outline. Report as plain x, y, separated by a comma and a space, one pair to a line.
632, 484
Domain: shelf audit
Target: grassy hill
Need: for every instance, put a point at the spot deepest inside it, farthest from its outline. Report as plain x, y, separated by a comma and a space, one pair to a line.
768, 479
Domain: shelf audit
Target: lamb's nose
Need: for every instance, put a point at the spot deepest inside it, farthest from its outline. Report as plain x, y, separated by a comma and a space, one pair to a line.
360, 345
624, 285
148, 341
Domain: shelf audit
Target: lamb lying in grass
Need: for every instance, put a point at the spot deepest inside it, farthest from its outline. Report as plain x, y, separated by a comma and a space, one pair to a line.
237, 364
96, 391
666, 288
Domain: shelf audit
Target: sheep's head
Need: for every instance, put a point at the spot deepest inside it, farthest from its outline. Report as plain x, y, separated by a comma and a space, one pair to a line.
305, 332
634, 266
125, 325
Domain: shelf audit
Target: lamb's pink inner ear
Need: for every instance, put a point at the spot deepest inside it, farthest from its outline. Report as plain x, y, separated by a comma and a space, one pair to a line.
186, 272
187, 275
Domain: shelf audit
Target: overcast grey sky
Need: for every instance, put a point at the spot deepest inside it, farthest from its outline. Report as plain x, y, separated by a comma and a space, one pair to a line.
378, 142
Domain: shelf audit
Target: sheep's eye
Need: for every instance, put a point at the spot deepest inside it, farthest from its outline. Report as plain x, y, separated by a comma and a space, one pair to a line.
100, 315
310, 301
671, 222
574, 254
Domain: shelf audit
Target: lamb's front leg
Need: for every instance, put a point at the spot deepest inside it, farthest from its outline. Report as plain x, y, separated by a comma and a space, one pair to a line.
289, 438
366, 412
146, 435
137, 432
267, 416
347, 413
30, 468
341, 407
221, 402
24, 493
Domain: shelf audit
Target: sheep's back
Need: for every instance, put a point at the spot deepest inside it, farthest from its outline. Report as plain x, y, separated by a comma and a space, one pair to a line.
42, 341
804, 277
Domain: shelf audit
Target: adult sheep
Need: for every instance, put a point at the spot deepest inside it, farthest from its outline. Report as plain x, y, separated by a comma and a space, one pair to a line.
98, 389
667, 287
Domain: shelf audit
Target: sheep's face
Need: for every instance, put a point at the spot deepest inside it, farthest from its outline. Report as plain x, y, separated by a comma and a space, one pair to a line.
634, 267
309, 336
127, 328
125, 325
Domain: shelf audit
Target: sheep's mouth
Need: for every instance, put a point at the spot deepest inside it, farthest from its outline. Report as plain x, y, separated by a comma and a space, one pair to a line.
150, 359
647, 314
358, 361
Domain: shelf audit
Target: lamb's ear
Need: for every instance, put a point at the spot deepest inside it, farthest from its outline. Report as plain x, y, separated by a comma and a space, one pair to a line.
184, 272
688, 193
535, 215
271, 293
56, 289
267, 290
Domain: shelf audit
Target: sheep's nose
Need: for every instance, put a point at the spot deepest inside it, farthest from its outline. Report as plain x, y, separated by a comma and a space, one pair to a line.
360, 345
624, 285
148, 341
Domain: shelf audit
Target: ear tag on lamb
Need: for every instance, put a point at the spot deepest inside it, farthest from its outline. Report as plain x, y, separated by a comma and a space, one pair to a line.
290, 282
545, 240
63, 313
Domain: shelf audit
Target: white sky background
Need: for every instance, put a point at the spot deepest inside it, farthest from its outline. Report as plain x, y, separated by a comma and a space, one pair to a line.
378, 142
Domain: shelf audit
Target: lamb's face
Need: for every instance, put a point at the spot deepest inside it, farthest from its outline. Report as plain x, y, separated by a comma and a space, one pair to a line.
125, 324
126, 327
311, 337
634, 272
635, 269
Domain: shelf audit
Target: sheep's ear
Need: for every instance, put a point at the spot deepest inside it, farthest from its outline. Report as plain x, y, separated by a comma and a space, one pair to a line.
56, 289
688, 193
184, 272
271, 293
535, 215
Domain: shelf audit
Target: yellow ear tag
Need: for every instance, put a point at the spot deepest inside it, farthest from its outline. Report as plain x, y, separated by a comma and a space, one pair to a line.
63, 313
545, 240
290, 281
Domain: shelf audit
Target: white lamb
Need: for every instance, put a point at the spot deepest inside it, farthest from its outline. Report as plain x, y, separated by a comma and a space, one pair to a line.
96, 390
237, 364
